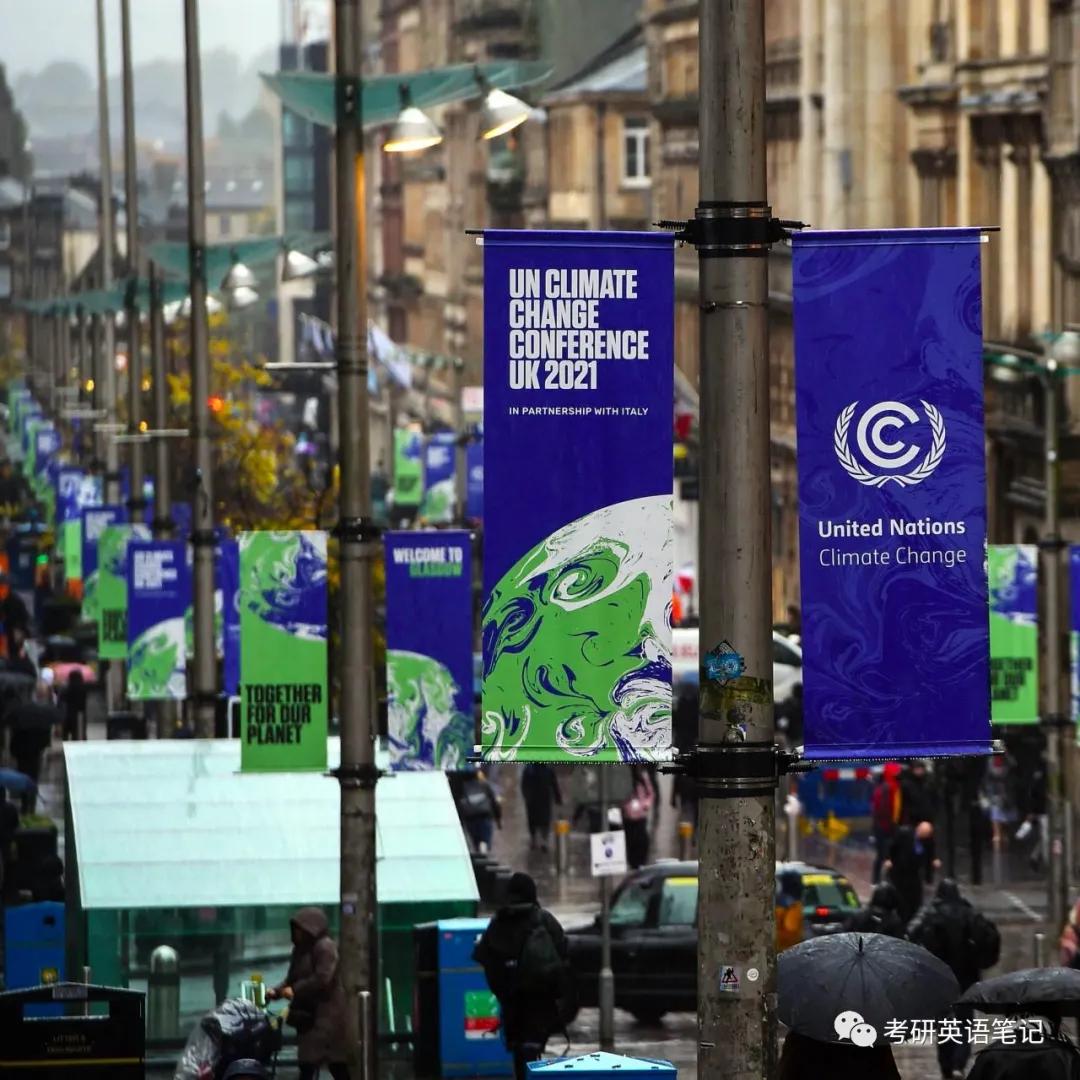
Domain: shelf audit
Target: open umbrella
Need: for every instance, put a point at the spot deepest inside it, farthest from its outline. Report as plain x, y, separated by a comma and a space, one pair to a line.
64, 668
1051, 992
826, 982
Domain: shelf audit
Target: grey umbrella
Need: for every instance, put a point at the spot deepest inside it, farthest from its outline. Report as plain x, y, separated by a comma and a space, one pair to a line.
878, 977
1052, 992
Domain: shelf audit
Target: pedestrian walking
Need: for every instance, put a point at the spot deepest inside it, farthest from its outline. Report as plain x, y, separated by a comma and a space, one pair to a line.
885, 805
635, 814
803, 1058
540, 790
317, 1006
523, 953
479, 809
965, 939
881, 915
904, 872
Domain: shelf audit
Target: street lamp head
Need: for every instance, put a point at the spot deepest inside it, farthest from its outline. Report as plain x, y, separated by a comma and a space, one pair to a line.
297, 266
1066, 349
239, 276
243, 296
502, 113
413, 129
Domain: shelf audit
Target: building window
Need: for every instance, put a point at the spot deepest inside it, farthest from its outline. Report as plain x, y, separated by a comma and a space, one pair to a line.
5, 235
224, 225
636, 151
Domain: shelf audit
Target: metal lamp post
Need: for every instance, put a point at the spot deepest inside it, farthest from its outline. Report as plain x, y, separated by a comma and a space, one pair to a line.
357, 543
204, 691
1063, 352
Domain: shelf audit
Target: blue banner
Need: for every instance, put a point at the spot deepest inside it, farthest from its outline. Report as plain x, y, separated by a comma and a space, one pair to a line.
75, 490
227, 569
440, 459
892, 493
95, 520
158, 593
429, 654
474, 478
181, 516
578, 393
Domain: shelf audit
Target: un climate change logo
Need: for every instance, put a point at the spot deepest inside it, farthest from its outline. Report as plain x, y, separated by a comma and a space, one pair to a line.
877, 449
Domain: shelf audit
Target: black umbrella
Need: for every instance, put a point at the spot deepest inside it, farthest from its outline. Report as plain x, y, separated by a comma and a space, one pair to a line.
32, 715
1051, 992
877, 977
16, 680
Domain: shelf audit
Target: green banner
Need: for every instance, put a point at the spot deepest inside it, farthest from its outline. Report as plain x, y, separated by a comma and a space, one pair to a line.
408, 467
1014, 633
112, 588
283, 658
71, 540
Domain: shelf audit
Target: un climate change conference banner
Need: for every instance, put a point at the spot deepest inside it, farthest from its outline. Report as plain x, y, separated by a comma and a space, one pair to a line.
95, 520
158, 593
1014, 633
429, 665
578, 388
112, 587
892, 493
440, 461
283, 699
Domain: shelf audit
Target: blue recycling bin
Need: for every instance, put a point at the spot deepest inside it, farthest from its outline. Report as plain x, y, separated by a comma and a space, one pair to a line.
34, 949
600, 1065
453, 1000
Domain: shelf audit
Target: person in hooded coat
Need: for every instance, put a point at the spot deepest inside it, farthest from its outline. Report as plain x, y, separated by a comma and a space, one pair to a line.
803, 1058
530, 1013
316, 996
881, 915
540, 788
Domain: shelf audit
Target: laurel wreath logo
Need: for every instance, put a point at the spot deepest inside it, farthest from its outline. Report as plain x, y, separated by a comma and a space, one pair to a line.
917, 475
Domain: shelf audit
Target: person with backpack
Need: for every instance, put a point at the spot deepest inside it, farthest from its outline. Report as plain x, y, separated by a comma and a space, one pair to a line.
885, 805
479, 809
881, 915
966, 940
523, 953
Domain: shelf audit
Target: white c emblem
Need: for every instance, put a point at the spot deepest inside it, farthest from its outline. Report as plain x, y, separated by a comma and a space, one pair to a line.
876, 448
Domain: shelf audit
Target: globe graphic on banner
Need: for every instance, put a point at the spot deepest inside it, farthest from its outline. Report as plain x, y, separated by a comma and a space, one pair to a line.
290, 584
155, 659
574, 639
427, 729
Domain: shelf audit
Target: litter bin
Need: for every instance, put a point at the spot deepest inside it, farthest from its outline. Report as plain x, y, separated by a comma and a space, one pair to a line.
600, 1065
456, 1021
101, 1034
34, 948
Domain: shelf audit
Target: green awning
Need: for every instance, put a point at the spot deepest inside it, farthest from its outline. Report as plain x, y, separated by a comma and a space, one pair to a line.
312, 94
172, 256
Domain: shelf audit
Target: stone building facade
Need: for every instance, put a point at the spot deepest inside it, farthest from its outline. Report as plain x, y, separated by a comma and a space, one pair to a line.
879, 114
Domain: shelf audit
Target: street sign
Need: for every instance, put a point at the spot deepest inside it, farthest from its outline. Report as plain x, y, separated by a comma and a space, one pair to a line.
608, 850
892, 492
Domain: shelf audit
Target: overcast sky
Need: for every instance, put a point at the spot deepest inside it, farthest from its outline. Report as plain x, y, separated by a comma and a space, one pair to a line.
34, 33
